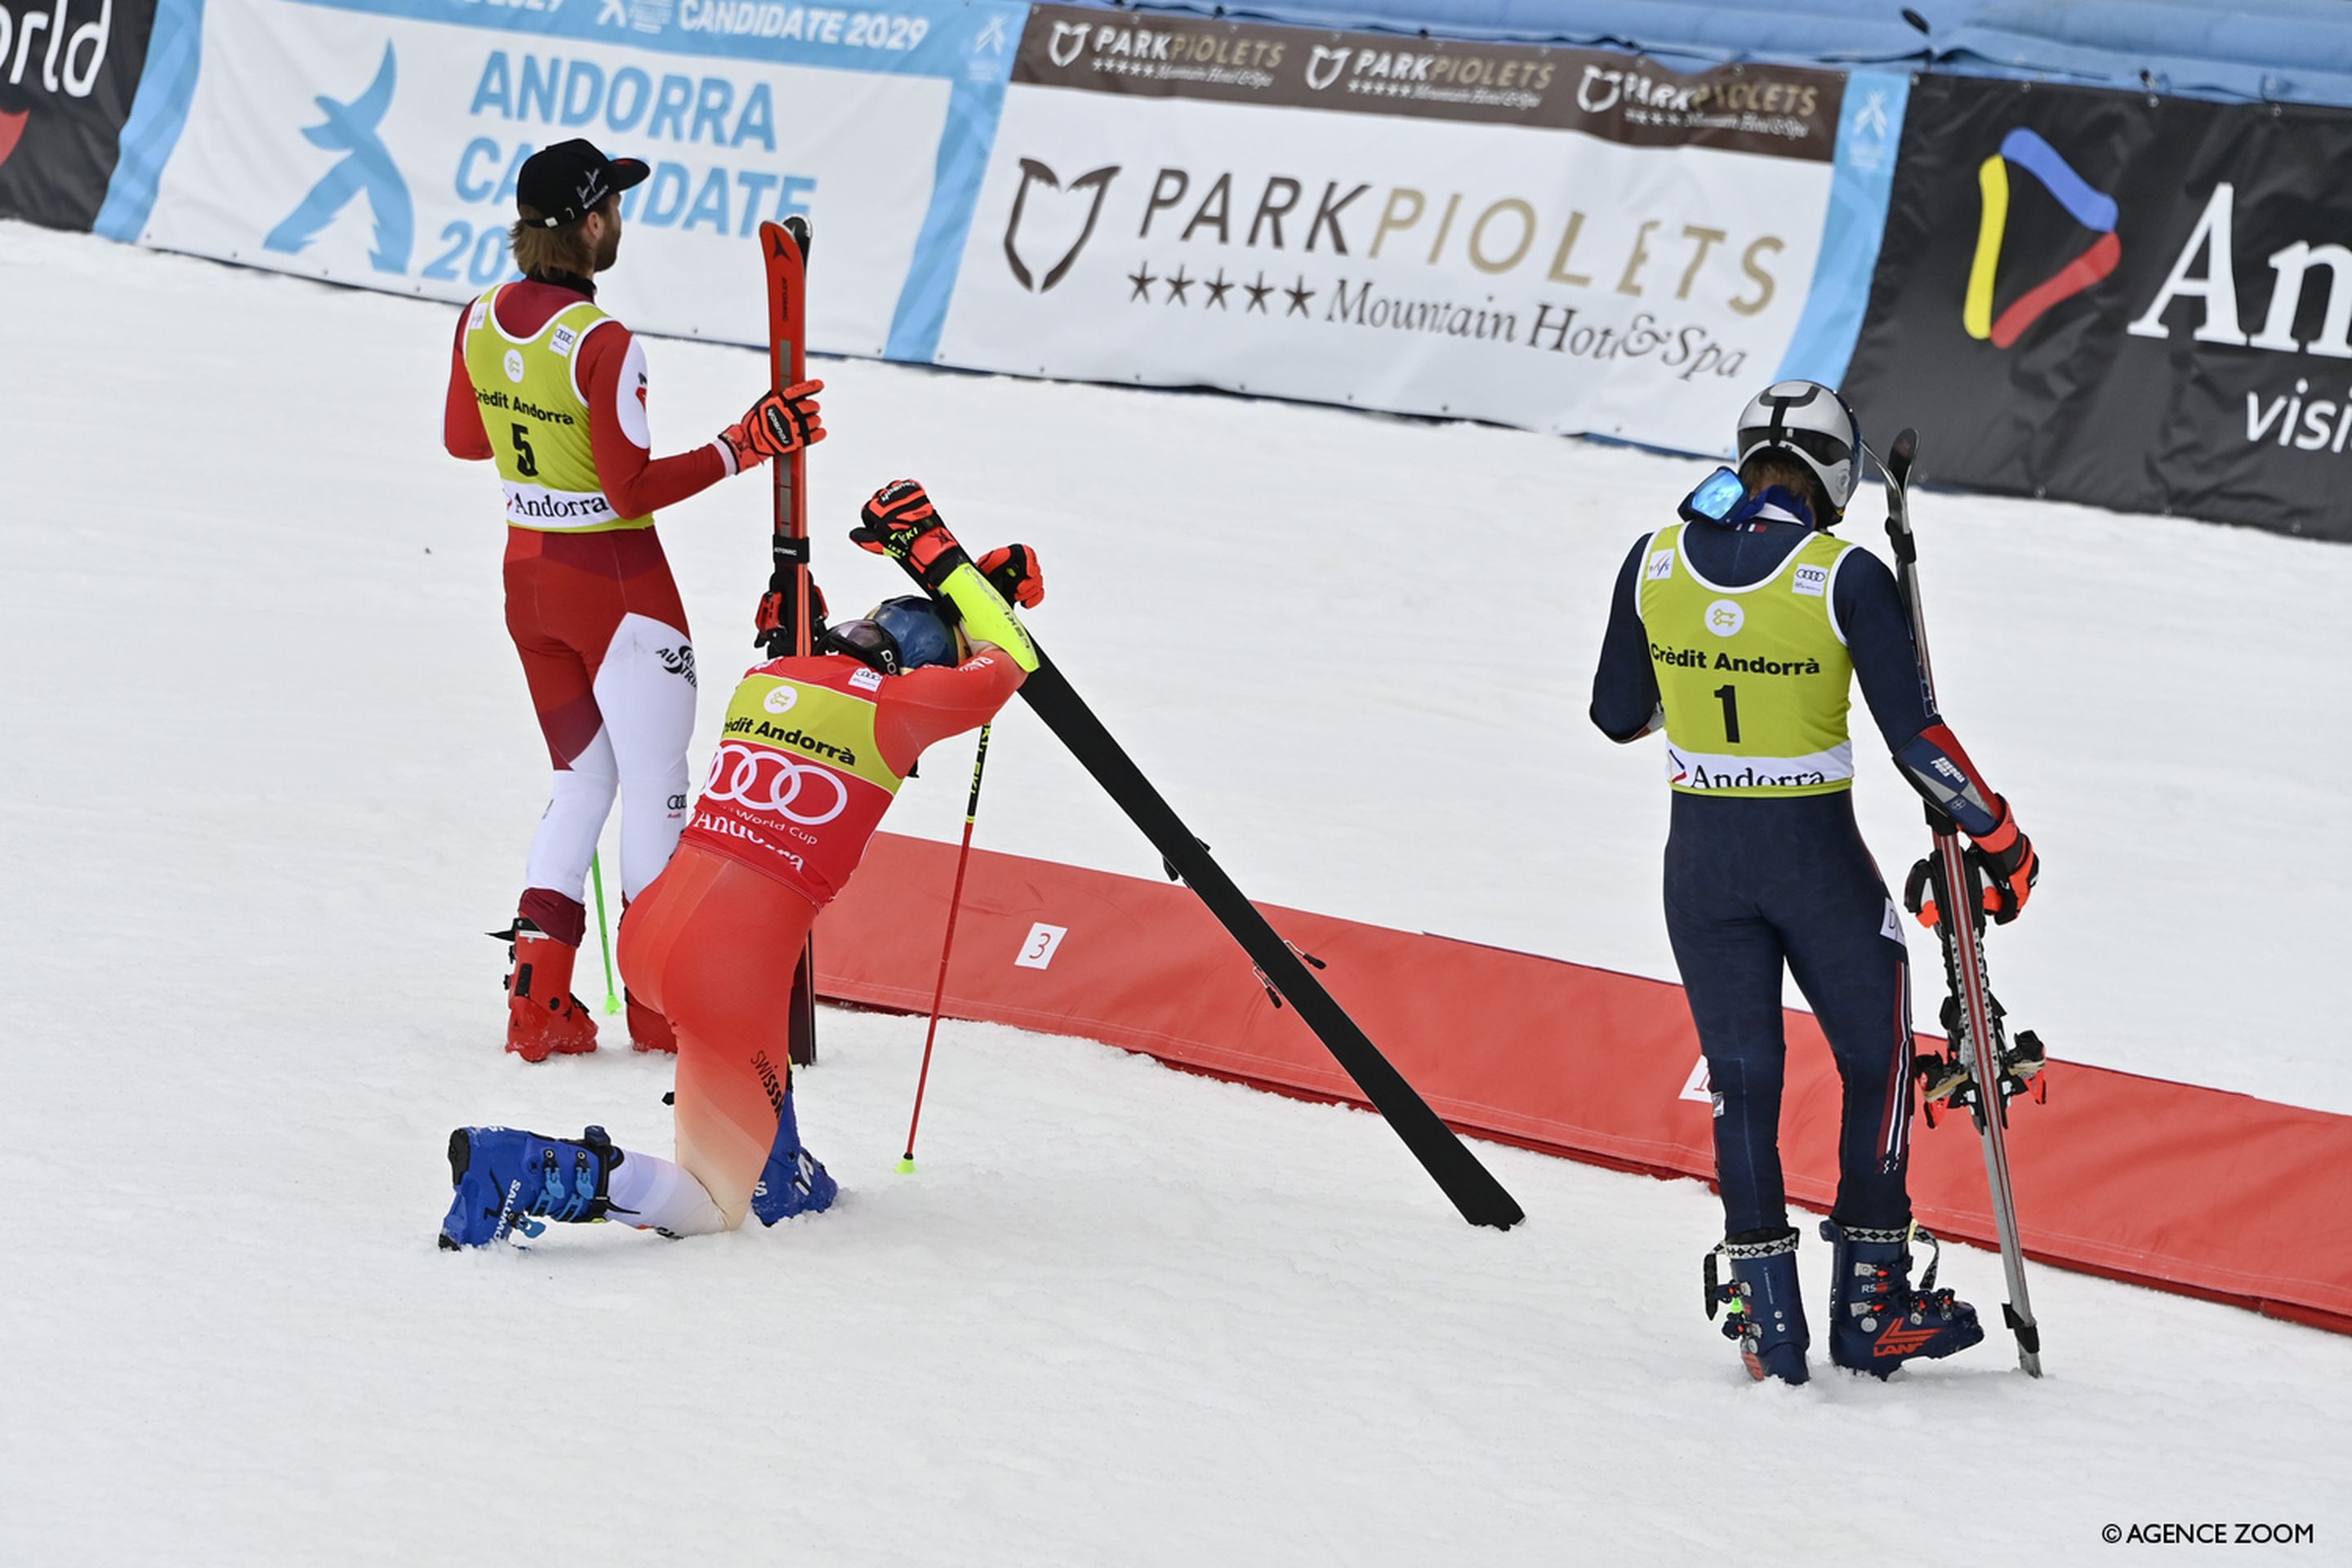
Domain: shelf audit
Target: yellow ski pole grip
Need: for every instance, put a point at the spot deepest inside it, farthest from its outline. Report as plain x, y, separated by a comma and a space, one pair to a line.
986, 617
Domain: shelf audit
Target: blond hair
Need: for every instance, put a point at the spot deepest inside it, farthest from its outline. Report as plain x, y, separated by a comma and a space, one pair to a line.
540, 249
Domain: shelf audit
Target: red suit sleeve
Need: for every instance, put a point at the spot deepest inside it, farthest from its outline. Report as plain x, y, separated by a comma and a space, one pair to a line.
613, 379
461, 421
924, 705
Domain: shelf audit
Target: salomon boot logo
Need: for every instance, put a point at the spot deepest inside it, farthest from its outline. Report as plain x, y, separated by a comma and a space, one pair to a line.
2095, 210
1033, 173
366, 166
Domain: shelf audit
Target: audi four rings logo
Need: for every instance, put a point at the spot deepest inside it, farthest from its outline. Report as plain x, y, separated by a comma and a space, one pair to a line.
764, 779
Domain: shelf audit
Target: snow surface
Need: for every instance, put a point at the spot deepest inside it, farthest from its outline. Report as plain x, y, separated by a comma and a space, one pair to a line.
267, 770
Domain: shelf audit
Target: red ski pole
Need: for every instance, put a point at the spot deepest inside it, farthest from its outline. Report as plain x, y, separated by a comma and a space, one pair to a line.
947, 946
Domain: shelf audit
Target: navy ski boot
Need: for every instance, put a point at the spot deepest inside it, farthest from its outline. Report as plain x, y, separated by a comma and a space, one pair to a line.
1763, 1312
509, 1182
1878, 1321
794, 1181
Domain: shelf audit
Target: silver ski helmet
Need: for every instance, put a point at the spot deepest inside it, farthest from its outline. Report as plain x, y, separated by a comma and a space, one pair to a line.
1814, 424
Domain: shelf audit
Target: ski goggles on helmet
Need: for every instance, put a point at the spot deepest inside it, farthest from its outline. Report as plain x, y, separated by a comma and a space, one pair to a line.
895, 637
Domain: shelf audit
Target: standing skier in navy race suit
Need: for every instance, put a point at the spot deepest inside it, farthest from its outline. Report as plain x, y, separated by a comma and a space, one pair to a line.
1737, 630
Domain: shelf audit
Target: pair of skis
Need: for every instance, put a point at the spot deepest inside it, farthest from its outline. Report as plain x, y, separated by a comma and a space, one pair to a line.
1473, 1190
1981, 1054
785, 248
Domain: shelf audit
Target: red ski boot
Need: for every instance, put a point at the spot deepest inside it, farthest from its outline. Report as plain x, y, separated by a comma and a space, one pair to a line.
543, 1018
649, 1030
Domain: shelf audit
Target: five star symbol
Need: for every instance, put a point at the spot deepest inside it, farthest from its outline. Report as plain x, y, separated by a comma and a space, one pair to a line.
1215, 290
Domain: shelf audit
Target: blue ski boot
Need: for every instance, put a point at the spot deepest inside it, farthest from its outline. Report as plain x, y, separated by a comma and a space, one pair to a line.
1764, 1313
509, 1182
794, 1181
1878, 1321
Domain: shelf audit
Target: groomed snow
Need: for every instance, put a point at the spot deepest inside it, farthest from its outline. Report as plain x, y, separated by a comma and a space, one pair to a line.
268, 771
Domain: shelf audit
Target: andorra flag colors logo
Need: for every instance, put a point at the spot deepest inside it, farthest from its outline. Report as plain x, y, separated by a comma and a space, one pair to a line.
2095, 210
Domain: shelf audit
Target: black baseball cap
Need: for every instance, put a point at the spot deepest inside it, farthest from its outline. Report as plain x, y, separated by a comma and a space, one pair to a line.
568, 180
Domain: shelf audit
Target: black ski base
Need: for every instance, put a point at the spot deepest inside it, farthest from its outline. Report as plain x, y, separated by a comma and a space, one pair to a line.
1473, 1190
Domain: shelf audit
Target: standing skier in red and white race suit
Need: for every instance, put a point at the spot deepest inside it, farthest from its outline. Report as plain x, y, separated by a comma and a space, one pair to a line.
546, 384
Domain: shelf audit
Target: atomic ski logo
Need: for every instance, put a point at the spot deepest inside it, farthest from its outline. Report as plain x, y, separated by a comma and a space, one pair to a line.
2095, 210
1033, 173
366, 166
12, 129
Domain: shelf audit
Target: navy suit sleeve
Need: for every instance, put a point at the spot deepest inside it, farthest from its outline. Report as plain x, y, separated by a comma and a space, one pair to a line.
1624, 687
1878, 635
1886, 661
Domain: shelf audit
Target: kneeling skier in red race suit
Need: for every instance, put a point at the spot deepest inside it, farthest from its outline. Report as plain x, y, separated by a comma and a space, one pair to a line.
814, 751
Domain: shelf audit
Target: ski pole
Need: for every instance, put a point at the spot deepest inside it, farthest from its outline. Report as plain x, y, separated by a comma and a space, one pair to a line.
947, 945
604, 932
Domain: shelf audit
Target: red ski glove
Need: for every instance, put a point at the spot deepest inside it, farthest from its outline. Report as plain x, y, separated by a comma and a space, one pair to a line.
775, 616
2004, 857
779, 424
899, 521
1015, 571
2010, 865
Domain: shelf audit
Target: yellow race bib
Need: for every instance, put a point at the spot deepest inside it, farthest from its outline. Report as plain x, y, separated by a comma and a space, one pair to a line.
537, 419
1756, 681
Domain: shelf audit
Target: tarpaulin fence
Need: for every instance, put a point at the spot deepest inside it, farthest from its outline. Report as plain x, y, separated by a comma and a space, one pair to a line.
2139, 301
1565, 239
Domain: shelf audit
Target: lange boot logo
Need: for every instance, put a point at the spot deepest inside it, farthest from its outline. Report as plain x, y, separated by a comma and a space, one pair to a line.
1033, 173
2095, 210
366, 166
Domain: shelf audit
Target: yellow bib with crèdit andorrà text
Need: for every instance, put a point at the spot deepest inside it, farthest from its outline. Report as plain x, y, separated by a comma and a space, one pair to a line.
1756, 681
529, 393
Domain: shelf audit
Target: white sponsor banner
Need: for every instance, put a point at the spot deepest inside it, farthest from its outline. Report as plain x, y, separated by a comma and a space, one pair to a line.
381, 150
1538, 277
1686, 769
